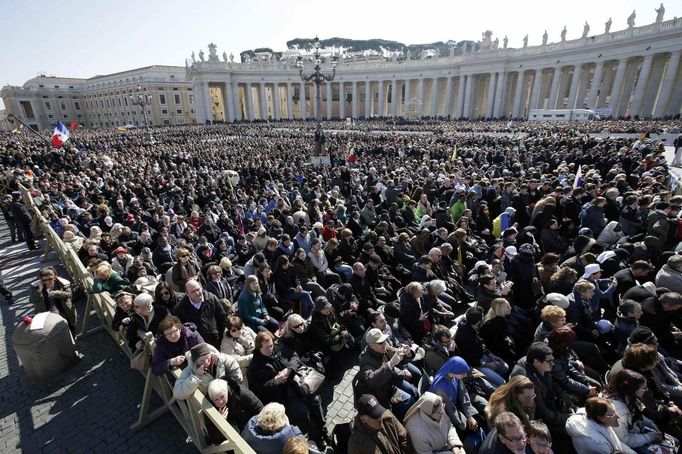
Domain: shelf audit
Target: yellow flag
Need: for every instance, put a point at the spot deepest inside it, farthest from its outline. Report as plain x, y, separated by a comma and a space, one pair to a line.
454, 153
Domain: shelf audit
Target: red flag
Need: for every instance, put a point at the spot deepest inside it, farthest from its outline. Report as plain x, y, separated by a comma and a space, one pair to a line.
73, 126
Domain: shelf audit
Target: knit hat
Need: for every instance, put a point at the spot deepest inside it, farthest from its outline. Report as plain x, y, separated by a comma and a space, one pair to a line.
199, 350
557, 299
642, 335
321, 303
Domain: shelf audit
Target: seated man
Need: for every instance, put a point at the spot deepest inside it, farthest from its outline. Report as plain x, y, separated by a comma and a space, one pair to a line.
552, 405
205, 363
379, 372
376, 429
235, 402
507, 437
657, 314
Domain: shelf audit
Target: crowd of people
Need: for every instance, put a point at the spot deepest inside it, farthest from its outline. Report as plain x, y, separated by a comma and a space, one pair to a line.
504, 293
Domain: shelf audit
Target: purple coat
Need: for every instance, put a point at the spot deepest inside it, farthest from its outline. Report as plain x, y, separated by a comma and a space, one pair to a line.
165, 350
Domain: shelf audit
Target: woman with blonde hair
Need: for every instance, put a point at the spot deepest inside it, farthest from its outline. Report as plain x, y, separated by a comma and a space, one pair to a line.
517, 396
108, 280
495, 330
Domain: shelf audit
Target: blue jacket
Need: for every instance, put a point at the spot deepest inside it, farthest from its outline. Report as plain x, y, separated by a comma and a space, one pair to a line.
251, 309
267, 443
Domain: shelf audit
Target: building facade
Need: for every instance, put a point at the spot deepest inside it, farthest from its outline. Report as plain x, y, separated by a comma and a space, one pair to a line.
104, 101
631, 72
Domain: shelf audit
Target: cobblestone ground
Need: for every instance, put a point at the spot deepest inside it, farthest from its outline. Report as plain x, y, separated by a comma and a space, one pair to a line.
90, 407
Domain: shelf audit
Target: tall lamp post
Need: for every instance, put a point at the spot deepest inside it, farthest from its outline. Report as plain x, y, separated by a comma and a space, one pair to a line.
143, 100
317, 78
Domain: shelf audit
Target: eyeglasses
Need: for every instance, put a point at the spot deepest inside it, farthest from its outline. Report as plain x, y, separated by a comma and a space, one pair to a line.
234, 330
515, 439
171, 332
298, 326
549, 361
183, 256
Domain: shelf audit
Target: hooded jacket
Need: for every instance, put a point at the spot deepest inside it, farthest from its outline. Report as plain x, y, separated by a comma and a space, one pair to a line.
430, 436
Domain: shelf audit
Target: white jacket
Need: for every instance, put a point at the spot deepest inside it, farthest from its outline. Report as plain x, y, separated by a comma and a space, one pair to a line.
189, 382
632, 437
240, 349
591, 437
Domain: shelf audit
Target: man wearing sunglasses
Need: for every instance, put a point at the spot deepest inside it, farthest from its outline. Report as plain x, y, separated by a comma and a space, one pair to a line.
552, 404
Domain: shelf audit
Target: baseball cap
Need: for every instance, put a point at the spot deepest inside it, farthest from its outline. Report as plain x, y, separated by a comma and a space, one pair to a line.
375, 336
590, 270
368, 405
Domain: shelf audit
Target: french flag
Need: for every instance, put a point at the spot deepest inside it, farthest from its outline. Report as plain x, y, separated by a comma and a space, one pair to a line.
60, 135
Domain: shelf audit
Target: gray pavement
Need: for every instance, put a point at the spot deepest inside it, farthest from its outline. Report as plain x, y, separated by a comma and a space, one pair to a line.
90, 407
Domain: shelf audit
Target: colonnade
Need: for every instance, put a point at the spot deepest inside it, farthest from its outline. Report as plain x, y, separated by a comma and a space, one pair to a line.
649, 85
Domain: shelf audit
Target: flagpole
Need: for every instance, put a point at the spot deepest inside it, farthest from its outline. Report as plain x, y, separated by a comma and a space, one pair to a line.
13, 117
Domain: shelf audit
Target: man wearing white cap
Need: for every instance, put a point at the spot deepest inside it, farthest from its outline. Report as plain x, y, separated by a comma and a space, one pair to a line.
604, 288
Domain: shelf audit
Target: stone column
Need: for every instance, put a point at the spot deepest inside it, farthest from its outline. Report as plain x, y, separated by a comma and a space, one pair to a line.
460, 96
249, 101
500, 95
434, 97
448, 96
535, 92
275, 100
420, 96
490, 101
290, 101
667, 86
395, 98
594, 85
330, 98
342, 101
641, 85
614, 98
229, 102
368, 99
236, 101
408, 93
263, 101
554, 88
516, 106
573, 91
381, 106
304, 107
355, 99
468, 96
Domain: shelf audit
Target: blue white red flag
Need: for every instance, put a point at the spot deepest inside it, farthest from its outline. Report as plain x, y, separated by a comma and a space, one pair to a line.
60, 135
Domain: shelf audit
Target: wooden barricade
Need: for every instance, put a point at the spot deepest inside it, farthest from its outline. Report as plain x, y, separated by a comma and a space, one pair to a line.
189, 412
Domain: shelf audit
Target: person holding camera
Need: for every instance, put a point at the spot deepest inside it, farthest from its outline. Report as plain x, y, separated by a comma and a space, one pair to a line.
204, 364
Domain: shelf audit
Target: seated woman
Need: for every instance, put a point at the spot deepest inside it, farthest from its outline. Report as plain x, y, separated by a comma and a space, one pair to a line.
319, 262
495, 330
625, 391
415, 314
172, 344
335, 260
567, 371
239, 342
268, 432
271, 378
235, 402
306, 273
517, 396
288, 286
146, 318
251, 309
165, 296
185, 268
108, 280
591, 428
429, 431
123, 311
327, 334
268, 294
448, 384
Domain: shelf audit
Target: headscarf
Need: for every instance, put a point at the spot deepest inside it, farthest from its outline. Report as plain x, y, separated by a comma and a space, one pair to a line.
436, 432
455, 365
424, 405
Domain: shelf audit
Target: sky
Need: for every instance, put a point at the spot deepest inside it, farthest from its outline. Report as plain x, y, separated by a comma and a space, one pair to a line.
72, 38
